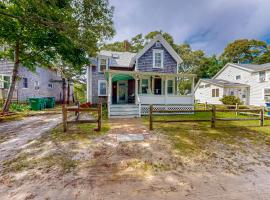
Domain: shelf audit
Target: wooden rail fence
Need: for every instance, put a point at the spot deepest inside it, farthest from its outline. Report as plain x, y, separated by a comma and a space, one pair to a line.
259, 112
77, 111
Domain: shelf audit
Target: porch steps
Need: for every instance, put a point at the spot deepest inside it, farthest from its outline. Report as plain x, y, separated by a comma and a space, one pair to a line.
124, 111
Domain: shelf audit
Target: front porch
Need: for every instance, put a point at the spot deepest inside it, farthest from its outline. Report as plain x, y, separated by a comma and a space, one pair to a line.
136, 90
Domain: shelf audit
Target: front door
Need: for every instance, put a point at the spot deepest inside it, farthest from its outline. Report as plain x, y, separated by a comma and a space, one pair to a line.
122, 92
157, 86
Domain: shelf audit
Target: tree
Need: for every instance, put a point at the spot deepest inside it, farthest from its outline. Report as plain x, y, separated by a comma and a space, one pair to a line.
52, 32
245, 51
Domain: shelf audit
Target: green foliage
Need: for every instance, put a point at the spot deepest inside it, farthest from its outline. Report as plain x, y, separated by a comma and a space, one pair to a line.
230, 100
16, 107
79, 91
246, 51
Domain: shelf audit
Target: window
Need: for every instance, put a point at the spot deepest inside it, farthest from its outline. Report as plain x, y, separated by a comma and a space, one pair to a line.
232, 93
157, 58
170, 87
102, 64
25, 83
238, 77
50, 85
5, 81
145, 86
267, 94
262, 76
215, 92
102, 90
36, 84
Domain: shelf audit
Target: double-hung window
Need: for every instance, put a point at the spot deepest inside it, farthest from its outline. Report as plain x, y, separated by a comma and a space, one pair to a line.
102, 88
102, 64
267, 94
170, 87
36, 85
50, 85
145, 86
157, 58
215, 92
262, 76
25, 82
5, 81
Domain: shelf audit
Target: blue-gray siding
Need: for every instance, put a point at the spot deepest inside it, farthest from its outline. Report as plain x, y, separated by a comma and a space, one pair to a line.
145, 62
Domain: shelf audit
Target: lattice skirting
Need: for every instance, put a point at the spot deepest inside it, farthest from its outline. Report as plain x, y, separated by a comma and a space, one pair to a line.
145, 109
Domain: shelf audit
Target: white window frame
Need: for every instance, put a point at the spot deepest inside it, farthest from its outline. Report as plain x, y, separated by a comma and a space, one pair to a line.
154, 58
99, 82
264, 92
107, 63
149, 85
215, 93
173, 85
36, 85
2, 83
259, 77
23, 83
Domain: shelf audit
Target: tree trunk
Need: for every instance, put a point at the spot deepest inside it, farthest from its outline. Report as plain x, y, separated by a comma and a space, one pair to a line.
13, 79
68, 91
64, 91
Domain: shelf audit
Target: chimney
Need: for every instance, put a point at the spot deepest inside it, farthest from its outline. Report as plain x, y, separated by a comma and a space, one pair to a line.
126, 45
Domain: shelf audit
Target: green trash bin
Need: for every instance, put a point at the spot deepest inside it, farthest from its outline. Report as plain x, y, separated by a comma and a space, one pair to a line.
35, 103
50, 102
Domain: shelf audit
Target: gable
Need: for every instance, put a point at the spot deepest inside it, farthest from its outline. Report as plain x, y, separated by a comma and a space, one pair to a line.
230, 65
145, 62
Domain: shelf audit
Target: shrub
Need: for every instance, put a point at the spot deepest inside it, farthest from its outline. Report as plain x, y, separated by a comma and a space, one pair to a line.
230, 100
16, 107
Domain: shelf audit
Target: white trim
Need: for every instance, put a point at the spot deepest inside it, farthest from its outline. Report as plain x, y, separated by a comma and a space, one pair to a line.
166, 45
173, 86
89, 84
99, 82
98, 63
154, 58
2, 81
149, 84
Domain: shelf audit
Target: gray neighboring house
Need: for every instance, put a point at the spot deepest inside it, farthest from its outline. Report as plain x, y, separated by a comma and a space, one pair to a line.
41, 83
129, 82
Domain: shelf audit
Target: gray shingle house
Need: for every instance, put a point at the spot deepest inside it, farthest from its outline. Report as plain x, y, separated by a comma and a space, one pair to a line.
41, 83
129, 82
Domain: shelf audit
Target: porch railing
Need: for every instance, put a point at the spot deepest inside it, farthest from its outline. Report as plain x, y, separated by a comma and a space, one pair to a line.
169, 99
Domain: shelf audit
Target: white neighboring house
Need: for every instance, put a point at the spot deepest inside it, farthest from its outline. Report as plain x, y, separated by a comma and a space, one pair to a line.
251, 83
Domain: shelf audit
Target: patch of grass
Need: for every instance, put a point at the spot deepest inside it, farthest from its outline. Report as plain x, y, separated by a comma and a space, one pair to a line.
195, 137
18, 164
79, 132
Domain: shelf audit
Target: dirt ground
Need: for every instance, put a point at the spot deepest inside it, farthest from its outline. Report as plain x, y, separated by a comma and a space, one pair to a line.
100, 168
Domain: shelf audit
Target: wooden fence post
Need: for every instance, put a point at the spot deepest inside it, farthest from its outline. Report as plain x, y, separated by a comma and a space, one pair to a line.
205, 105
64, 112
262, 117
151, 118
213, 120
236, 108
99, 116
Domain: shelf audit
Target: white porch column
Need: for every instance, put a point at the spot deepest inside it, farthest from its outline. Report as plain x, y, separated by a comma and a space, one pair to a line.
89, 84
166, 90
136, 90
109, 94
192, 89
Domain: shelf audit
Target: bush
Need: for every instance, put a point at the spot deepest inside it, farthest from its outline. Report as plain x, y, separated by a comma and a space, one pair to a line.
15, 107
230, 100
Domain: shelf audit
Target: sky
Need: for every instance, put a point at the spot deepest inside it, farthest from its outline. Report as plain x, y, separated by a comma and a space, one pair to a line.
204, 24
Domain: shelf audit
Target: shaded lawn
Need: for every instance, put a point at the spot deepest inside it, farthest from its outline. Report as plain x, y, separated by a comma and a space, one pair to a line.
194, 137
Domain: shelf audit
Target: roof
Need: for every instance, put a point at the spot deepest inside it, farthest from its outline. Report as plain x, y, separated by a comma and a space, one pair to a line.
222, 83
118, 59
253, 67
127, 59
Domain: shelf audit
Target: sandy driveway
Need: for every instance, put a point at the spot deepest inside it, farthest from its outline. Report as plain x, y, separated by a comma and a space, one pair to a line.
101, 168
17, 135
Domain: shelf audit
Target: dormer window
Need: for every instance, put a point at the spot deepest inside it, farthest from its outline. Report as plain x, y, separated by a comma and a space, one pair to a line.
102, 64
157, 58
